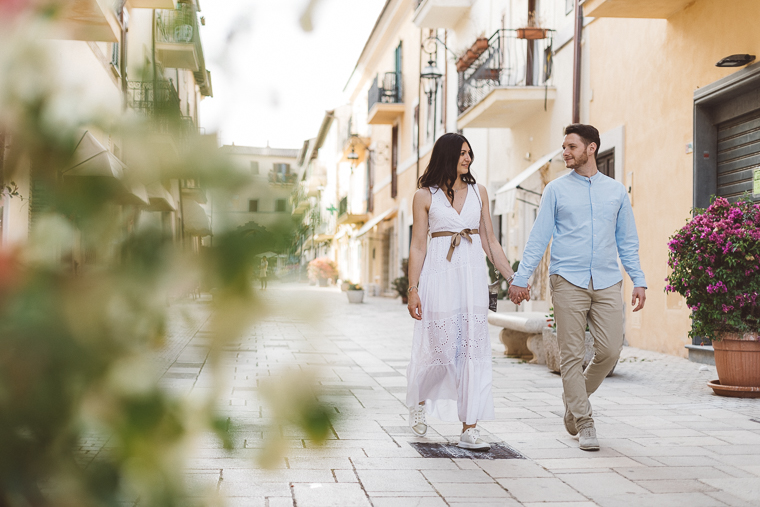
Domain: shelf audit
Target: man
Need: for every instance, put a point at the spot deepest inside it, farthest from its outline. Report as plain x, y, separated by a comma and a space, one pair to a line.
589, 217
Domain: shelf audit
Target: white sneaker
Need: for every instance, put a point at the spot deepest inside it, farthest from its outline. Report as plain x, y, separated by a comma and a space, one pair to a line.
417, 420
470, 439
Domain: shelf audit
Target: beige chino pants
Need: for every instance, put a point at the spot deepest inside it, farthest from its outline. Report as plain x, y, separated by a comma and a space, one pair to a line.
603, 311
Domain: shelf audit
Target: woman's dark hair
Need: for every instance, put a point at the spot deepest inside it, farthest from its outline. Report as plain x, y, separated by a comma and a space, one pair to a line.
442, 169
587, 133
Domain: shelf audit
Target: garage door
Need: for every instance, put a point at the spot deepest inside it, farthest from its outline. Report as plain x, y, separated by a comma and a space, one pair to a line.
738, 155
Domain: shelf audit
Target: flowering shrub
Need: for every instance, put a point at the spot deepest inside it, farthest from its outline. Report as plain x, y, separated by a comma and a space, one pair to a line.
322, 267
715, 260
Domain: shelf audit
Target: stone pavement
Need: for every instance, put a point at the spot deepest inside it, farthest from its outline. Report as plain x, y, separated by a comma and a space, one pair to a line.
666, 439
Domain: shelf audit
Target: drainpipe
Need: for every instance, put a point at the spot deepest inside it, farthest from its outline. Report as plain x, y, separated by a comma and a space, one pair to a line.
419, 102
577, 62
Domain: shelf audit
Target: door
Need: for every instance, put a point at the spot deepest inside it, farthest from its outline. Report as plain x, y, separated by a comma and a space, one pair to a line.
605, 162
738, 155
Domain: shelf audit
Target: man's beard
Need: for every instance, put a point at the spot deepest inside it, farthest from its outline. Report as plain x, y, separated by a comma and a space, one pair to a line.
576, 163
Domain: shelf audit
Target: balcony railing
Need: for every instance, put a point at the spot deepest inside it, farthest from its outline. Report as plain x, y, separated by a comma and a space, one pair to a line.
158, 100
510, 60
387, 91
281, 178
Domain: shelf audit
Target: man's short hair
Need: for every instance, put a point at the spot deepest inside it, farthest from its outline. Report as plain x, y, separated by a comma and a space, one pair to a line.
587, 133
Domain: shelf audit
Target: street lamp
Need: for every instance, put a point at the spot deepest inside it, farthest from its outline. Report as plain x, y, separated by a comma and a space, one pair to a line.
431, 76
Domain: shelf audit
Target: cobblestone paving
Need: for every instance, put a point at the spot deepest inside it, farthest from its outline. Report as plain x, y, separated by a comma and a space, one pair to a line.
666, 439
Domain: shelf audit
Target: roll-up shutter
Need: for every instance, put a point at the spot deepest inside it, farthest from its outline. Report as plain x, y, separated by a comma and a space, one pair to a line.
738, 155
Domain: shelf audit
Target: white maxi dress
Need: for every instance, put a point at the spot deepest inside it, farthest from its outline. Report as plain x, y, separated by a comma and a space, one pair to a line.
450, 367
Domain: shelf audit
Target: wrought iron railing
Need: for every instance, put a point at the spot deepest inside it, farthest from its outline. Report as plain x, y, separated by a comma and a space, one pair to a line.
158, 101
387, 91
180, 26
509, 61
281, 178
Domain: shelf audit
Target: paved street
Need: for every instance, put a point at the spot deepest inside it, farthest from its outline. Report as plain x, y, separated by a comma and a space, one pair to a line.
666, 439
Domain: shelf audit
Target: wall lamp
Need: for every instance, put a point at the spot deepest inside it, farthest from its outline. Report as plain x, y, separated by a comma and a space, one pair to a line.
736, 61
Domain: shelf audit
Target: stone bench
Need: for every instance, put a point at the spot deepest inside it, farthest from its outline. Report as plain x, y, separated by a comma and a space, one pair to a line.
521, 334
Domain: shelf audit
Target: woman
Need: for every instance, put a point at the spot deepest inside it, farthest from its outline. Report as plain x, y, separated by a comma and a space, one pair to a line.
449, 374
263, 272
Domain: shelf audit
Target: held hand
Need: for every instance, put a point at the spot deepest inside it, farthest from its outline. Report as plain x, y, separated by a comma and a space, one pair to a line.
639, 293
519, 294
414, 306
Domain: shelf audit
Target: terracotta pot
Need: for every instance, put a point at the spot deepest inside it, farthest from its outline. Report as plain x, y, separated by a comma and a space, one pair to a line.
481, 44
472, 55
531, 33
738, 360
462, 64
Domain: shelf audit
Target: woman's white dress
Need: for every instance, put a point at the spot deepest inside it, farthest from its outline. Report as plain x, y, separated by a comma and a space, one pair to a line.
450, 368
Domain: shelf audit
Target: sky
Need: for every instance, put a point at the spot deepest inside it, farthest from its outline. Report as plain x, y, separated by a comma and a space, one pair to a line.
273, 81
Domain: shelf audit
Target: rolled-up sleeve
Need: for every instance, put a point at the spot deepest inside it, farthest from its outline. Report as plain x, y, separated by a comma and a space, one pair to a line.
628, 243
539, 238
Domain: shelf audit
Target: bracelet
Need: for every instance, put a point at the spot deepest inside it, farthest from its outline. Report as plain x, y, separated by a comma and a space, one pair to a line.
409, 290
509, 280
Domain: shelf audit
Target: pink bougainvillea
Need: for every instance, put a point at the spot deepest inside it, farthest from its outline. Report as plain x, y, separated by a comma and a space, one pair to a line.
715, 263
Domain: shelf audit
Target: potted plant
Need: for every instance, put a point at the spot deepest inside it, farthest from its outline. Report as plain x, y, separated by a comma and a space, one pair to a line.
355, 293
715, 262
321, 270
401, 284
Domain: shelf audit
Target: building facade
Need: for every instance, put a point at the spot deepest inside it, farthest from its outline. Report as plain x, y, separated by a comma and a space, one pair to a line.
141, 59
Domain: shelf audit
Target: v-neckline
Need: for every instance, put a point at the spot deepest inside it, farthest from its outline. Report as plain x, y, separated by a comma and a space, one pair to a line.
459, 213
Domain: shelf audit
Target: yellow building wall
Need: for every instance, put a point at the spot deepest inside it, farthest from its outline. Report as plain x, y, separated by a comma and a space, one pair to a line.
643, 75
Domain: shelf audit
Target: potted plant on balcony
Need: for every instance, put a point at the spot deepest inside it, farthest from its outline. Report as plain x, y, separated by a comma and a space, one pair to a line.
533, 31
355, 293
715, 262
321, 270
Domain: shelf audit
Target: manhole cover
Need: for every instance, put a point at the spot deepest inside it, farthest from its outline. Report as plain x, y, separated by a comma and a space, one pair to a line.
497, 451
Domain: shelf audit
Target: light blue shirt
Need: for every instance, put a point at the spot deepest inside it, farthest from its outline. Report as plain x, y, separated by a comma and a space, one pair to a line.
591, 223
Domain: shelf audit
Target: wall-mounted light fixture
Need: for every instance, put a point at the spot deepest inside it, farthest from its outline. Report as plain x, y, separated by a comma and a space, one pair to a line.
353, 155
736, 61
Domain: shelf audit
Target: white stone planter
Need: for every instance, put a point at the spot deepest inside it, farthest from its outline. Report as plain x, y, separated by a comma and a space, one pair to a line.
355, 296
552, 354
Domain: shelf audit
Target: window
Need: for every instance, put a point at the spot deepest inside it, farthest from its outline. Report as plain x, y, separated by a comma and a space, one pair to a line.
416, 128
279, 205
569, 6
605, 162
254, 168
282, 168
253, 206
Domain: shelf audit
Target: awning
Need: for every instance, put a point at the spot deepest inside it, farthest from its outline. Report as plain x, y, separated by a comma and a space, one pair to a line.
507, 194
92, 159
195, 220
160, 198
375, 220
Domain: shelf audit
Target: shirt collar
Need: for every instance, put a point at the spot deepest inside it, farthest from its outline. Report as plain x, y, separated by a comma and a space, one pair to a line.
578, 176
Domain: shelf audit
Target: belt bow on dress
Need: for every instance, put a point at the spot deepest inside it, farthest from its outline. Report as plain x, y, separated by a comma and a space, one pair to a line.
456, 238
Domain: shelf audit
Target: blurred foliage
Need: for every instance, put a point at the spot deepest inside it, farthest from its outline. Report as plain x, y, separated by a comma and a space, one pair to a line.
78, 341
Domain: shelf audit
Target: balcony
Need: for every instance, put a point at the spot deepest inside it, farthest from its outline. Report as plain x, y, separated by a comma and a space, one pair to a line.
178, 43
654, 9
281, 178
440, 13
385, 99
344, 217
154, 4
86, 20
298, 200
193, 190
158, 102
508, 82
